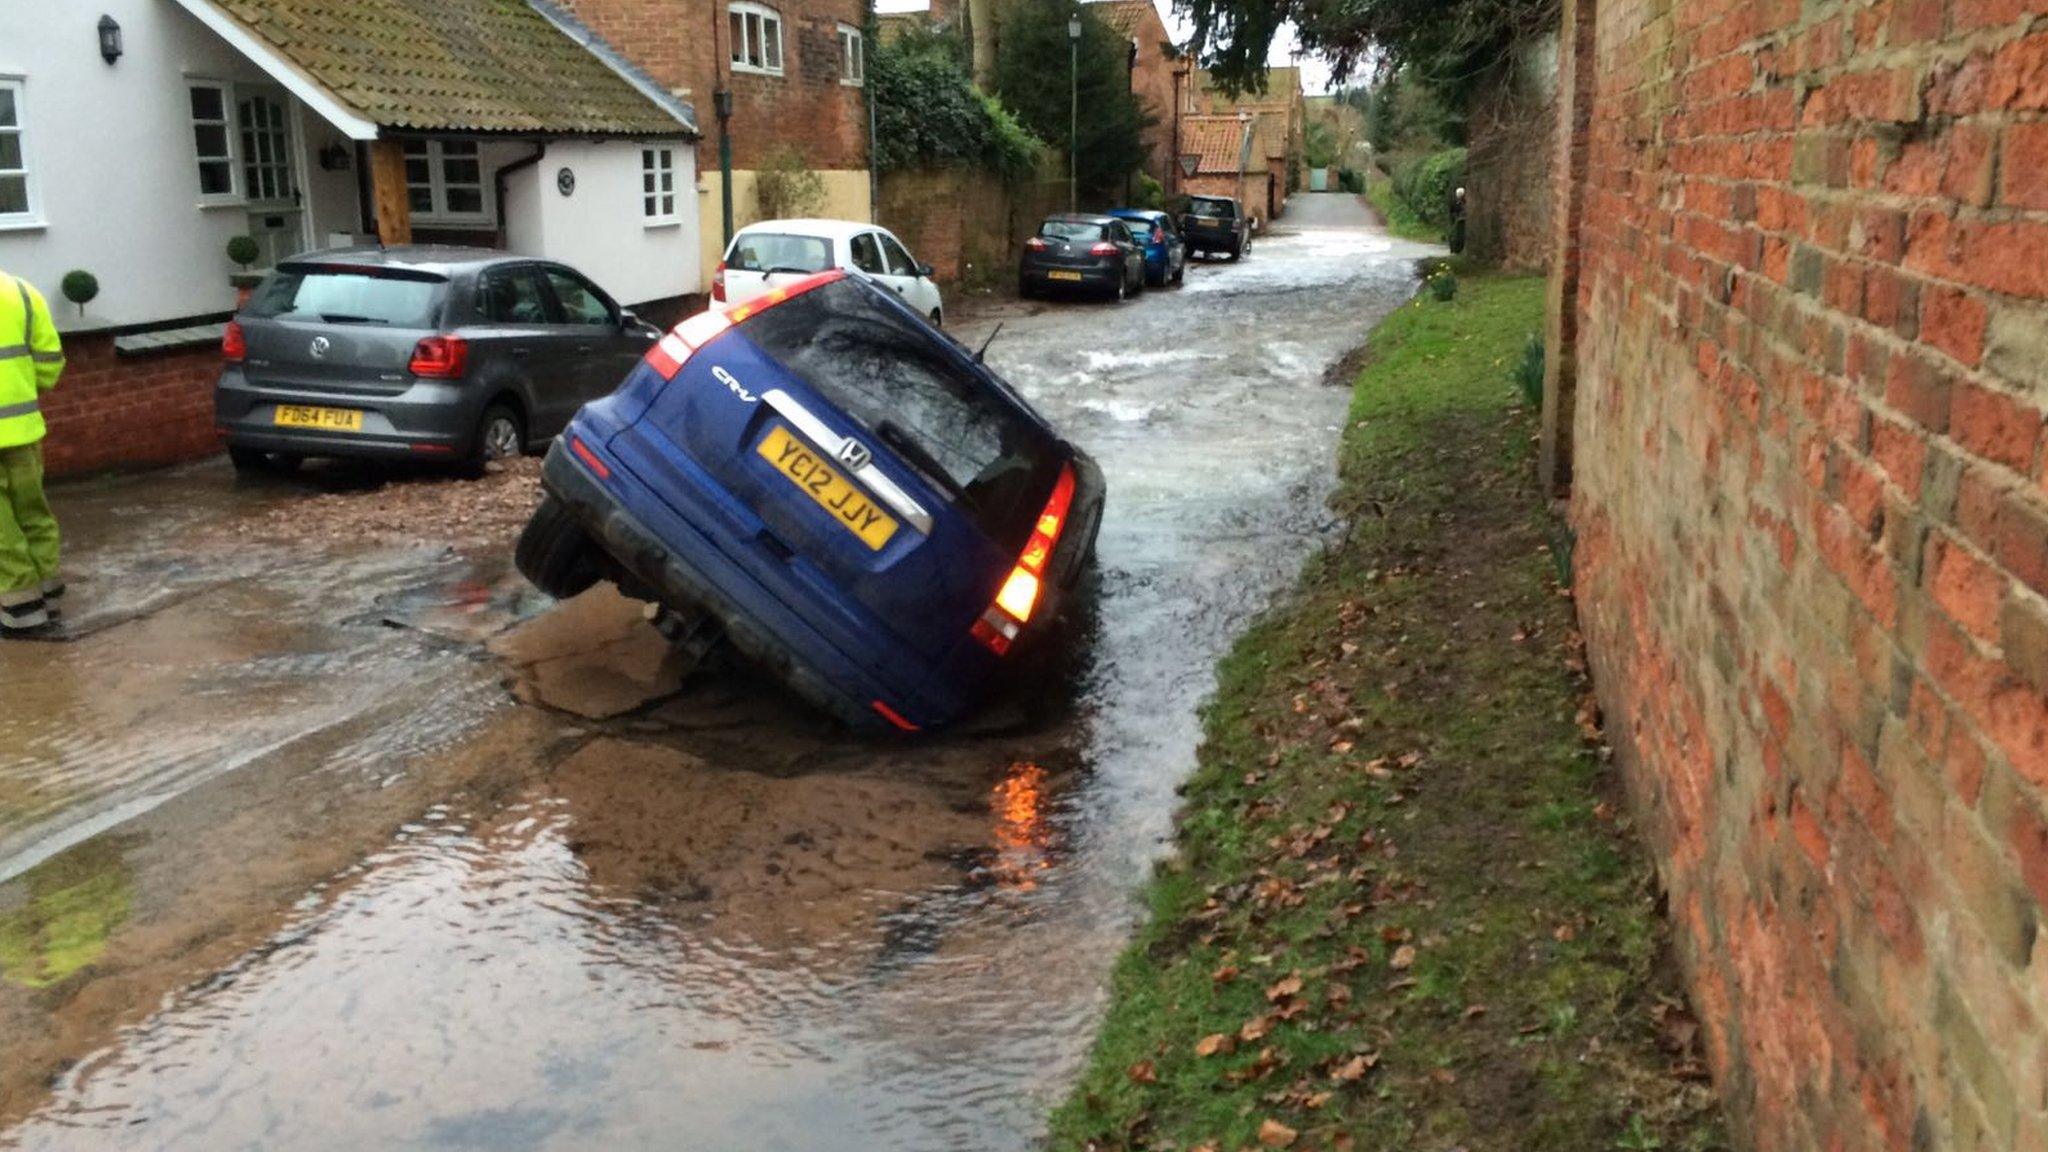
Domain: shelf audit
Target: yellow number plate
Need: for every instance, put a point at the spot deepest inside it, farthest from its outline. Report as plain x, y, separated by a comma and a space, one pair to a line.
1062, 275
327, 419
799, 464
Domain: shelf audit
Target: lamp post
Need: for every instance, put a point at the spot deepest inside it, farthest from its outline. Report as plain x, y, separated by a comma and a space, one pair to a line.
1073, 110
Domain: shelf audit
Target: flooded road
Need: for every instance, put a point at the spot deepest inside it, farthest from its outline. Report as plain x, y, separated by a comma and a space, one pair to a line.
267, 883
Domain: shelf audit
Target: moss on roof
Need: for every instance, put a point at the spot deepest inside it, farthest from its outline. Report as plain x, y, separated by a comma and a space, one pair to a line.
453, 66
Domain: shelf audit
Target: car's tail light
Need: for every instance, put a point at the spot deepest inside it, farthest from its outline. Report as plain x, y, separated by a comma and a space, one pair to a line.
1018, 597
669, 352
718, 283
776, 296
440, 358
1158, 235
1036, 244
1103, 249
233, 344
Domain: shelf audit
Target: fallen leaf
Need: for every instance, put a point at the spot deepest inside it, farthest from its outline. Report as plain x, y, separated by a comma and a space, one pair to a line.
1474, 1011
1143, 1073
1274, 1134
1353, 1070
1443, 1075
1255, 1028
1404, 957
1214, 1043
1284, 988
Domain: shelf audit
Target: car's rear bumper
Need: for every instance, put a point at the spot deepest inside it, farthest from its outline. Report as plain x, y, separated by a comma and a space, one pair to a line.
1095, 276
692, 571
428, 419
1209, 239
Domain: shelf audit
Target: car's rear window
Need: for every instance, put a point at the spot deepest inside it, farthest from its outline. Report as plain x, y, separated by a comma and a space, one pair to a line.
1070, 230
902, 383
1140, 229
349, 296
1210, 206
780, 252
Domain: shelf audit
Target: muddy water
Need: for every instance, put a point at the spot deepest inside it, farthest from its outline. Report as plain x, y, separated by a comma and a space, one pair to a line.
711, 922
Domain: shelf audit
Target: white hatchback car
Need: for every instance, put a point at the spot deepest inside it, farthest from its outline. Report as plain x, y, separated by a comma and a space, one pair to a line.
773, 252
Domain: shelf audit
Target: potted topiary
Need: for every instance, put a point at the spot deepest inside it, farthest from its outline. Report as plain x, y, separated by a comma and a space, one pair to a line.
244, 252
80, 287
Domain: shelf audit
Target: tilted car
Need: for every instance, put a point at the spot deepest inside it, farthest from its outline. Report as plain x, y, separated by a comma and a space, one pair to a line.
1077, 251
445, 353
851, 497
1216, 226
770, 253
1166, 254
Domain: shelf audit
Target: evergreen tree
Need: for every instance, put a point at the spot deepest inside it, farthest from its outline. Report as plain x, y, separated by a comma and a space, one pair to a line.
1031, 78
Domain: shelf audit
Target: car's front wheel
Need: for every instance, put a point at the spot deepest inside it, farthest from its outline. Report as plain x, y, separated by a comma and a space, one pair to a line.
554, 553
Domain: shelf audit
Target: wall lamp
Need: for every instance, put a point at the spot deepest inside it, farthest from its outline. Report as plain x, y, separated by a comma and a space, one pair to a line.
110, 39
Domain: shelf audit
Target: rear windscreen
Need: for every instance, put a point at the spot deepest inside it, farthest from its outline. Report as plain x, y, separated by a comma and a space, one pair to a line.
780, 252
891, 374
1208, 206
1070, 230
348, 296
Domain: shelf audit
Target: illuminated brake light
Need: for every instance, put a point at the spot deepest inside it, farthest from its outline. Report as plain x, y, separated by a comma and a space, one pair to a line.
999, 627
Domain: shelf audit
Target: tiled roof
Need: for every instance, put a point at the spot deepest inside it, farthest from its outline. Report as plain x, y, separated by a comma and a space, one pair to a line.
1282, 86
1218, 139
1126, 16
453, 66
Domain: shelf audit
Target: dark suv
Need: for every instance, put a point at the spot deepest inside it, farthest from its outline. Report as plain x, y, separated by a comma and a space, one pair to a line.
849, 497
1216, 226
416, 352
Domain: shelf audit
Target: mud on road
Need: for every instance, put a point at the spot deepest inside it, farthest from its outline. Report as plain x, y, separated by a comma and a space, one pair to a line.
347, 840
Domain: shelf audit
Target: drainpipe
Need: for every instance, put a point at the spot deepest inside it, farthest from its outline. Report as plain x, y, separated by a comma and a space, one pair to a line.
1130, 87
721, 102
519, 165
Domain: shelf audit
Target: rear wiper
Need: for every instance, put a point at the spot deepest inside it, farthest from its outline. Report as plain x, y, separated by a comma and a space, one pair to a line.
895, 437
345, 318
788, 270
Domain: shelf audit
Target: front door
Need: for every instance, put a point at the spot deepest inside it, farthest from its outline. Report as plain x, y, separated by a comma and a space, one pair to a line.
270, 177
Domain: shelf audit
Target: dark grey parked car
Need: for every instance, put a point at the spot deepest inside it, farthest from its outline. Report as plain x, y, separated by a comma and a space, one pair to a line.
1084, 252
419, 352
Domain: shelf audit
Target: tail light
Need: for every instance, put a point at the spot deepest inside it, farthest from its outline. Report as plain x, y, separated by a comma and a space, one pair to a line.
1103, 249
233, 344
440, 358
718, 283
670, 352
1036, 244
1158, 234
1018, 598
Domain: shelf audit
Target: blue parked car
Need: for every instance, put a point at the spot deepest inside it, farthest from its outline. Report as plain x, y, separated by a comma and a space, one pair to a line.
844, 493
1166, 254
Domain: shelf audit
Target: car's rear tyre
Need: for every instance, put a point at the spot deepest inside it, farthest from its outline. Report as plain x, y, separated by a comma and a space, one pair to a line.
1123, 289
500, 435
938, 319
554, 553
1181, 273
1023, 288
250, 462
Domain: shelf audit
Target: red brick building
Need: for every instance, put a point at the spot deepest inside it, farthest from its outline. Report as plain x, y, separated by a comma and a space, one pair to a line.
1226, 161
1156, 76
1800, 366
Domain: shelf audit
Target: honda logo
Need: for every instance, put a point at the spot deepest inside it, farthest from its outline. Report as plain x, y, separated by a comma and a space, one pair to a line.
319, 347
854, 455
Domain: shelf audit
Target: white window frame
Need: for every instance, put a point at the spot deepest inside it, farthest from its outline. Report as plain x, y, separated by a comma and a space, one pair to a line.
232, 198
754, 21
31, 215
657, 161
282, 164
853, 56
437, 186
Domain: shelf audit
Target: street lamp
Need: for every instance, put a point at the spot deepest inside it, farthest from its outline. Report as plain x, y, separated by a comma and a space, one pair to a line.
1073, 109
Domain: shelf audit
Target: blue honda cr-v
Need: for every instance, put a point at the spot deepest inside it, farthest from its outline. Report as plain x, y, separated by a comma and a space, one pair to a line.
859, 503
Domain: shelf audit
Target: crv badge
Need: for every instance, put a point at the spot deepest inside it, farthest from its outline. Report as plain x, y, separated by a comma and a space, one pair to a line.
732, 385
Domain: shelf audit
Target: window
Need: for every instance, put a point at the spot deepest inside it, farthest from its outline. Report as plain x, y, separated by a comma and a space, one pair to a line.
266, 151
658, 185
777, 252
853, 62
345, 296
213, 141
581, 303
900, 263
444, 181
512, 296
756, 38
867, 253
16, 205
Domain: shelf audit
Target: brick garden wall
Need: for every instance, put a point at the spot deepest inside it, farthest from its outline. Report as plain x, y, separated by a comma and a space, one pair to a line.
130, 411
968, 224
1512, 119
1811, 499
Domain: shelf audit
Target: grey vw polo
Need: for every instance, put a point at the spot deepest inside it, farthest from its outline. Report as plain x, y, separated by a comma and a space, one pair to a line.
459, 354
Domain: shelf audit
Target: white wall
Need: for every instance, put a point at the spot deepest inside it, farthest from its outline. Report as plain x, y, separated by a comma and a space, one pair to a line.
113, 167
600, 229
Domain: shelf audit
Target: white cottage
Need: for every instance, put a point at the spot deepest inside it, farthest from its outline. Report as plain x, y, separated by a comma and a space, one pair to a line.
138, 137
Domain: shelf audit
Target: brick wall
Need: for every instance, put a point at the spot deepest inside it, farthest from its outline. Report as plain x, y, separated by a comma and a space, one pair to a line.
1511, 121
119, 411
683, 45
969, 225
1811, 361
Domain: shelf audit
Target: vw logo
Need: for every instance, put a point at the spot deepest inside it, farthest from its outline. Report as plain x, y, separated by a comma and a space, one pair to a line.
854, 455
319, 348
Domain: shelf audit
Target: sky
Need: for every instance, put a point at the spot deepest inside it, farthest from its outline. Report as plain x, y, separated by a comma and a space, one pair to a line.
1315, 75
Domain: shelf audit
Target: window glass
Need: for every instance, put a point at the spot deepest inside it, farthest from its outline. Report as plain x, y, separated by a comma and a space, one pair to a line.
1071, 230
900, 263
853, 65
867, 254
1212, 206
657, 184
756, 35
210, 140
348, 296
462, 178
13, 153
777, 252
580, 302
910, 389
419, 176
511, 296
266, 151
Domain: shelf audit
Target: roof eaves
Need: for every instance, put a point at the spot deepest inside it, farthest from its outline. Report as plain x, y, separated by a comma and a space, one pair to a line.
296, 80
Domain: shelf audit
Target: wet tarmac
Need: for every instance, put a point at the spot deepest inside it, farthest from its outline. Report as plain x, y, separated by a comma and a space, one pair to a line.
347, 846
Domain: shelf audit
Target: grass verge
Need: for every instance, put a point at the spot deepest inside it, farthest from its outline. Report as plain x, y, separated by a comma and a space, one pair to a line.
1400, 219
1406, 911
